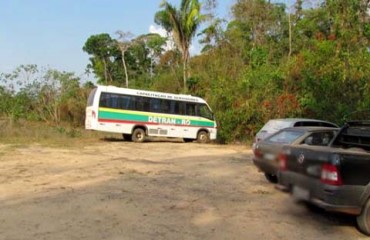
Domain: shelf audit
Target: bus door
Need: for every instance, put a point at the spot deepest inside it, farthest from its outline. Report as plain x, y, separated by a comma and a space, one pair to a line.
163, 123
189, 131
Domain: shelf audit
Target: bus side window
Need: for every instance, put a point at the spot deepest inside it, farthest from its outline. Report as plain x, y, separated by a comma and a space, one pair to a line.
109, 100
104, 98
182, 108
146, 104
172, 107
165, 106
190, 109
124, 102
177, 107
142, 104
155, 105
114, 101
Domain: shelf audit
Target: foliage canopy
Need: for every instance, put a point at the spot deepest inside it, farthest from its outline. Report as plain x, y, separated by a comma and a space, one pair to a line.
268, 61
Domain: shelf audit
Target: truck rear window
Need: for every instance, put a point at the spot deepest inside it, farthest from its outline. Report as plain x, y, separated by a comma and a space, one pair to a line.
285, 137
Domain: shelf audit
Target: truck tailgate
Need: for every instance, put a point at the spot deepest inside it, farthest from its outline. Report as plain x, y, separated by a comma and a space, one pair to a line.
307, 160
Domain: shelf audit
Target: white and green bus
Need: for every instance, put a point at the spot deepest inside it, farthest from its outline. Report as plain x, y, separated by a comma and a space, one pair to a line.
138, 113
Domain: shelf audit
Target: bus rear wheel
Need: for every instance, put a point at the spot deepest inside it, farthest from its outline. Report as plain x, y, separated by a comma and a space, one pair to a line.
203, 137
138, 135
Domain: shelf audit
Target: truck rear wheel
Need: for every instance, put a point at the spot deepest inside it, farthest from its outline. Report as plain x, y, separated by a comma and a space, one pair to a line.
363, 220
271, 178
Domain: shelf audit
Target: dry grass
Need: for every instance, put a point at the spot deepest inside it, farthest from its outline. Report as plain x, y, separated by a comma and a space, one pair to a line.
23, 133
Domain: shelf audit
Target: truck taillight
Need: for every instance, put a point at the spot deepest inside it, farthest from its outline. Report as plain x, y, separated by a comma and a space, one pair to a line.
257, 152
330, 175
283, 158
93, 114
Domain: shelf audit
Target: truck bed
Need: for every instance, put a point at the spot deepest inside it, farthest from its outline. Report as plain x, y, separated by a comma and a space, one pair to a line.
335, 177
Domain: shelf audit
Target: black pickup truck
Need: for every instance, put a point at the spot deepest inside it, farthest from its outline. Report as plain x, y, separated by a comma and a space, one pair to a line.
334, 177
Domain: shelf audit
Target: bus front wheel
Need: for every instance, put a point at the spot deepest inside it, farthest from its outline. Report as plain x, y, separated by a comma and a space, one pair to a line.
138, 135
203, 137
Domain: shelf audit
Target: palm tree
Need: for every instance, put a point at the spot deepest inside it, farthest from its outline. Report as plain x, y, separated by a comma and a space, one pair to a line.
183, 24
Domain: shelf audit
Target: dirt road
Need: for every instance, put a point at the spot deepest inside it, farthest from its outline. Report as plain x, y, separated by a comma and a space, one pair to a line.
154, 190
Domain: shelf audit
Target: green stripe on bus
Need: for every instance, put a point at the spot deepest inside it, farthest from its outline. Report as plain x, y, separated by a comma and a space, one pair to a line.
150, 113
201, 123
121, 116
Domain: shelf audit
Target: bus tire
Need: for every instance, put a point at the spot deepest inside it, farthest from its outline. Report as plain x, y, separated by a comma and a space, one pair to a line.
138, 135
203, 137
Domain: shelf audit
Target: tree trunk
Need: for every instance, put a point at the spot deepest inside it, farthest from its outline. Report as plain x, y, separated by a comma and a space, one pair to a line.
184, 75
185, 68
110, 76
105, 71
290, 30
125, 67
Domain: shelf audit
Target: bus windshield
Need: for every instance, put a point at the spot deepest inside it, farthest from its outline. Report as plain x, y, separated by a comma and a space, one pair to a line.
205, 112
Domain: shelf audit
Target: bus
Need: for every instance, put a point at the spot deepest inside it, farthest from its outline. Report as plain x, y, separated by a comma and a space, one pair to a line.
137, 114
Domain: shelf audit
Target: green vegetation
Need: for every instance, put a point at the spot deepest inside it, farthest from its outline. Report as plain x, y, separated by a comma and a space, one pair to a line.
47, 95
24, 132
183, 23
268, 61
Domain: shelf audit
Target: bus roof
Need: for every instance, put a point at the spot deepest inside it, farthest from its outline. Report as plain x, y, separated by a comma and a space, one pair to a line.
144, 93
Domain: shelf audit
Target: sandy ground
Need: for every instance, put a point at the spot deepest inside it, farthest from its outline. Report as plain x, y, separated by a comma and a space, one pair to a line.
154, 190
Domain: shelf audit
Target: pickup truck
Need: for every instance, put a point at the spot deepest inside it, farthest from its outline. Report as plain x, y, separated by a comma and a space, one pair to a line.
334, 177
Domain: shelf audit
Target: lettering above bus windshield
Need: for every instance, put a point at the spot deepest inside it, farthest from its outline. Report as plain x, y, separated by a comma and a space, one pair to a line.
164, 96
164, 120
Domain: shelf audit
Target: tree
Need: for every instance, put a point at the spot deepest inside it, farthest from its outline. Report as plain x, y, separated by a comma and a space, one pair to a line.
123, 43
144, 48
183, 24
125, 59
212, 35
101, 47
20, 89
34, 93
153, 44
